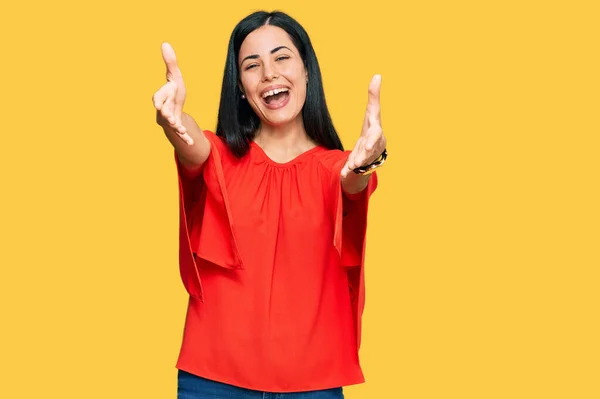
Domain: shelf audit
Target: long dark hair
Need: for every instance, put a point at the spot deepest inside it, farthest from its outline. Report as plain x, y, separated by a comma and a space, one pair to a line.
237, 123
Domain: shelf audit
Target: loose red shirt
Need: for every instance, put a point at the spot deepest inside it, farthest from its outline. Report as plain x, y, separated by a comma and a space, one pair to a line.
272, 256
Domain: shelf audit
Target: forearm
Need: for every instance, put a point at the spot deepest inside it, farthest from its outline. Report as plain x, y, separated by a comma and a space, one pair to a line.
354, 183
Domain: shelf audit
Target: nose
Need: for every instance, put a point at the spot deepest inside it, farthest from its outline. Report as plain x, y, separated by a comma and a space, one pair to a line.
269, 72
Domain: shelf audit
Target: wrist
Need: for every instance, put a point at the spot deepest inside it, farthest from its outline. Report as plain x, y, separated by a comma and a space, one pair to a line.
370, 168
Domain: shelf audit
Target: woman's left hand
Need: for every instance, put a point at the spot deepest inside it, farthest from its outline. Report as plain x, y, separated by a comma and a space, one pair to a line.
371, 142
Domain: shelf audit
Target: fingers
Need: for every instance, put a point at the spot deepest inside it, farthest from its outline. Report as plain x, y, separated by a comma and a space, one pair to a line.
178, 128
374, 134
345, 170
372, 125
351, 162
186, 137
373, 105
356, 158
348, 165
361, 156
170, 60
159, 98
174, 77
164, 100
366, 150
177, 111
167, 109
371, 141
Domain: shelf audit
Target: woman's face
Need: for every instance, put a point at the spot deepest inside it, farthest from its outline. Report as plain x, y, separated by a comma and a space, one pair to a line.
272, 75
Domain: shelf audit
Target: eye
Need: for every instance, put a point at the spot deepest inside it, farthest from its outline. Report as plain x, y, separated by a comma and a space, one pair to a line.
282, 57
250, 66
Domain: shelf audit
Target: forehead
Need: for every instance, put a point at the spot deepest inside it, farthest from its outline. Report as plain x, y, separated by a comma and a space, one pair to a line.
264, 39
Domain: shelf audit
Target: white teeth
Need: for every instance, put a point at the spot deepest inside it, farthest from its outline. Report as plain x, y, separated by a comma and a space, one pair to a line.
274, 91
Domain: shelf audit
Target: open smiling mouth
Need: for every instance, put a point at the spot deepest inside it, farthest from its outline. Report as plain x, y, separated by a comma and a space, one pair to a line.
276, 98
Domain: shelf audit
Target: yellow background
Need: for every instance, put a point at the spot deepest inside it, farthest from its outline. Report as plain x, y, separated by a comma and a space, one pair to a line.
483, 253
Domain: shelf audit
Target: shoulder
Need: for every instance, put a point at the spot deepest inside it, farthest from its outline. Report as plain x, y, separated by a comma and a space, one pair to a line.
215, 141
219, 150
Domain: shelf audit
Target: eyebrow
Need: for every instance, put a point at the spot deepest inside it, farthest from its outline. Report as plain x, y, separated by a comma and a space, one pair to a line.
255, 56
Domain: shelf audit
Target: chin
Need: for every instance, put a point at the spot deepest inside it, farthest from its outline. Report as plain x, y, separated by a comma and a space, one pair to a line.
281, 119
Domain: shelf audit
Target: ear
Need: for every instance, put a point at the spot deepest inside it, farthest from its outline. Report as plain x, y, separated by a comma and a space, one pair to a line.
241, 88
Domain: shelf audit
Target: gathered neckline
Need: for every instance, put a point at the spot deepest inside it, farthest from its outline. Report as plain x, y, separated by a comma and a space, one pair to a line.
292, 161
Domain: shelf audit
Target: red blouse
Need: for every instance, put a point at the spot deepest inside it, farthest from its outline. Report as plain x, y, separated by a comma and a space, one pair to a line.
272, 256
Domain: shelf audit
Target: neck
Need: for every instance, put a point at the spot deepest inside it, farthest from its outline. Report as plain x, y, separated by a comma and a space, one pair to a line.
289, 137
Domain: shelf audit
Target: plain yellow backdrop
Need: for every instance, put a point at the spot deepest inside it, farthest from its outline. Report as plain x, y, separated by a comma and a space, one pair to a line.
483, 241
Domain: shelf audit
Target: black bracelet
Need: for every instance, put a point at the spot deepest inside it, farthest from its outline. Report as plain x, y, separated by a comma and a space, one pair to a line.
361, 170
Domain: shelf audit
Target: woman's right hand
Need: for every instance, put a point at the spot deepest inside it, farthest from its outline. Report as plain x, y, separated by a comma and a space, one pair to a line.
169, 99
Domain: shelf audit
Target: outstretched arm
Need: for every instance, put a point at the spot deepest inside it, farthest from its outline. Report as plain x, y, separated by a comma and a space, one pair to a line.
191, 146
369, 146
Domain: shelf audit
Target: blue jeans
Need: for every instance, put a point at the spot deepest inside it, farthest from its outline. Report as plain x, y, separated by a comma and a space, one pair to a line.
190, 386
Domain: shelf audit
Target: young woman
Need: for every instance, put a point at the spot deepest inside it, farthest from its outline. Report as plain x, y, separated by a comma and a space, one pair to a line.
273, 222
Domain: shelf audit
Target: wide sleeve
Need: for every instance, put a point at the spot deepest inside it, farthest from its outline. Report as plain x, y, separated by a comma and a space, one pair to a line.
206, 232
350, 213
